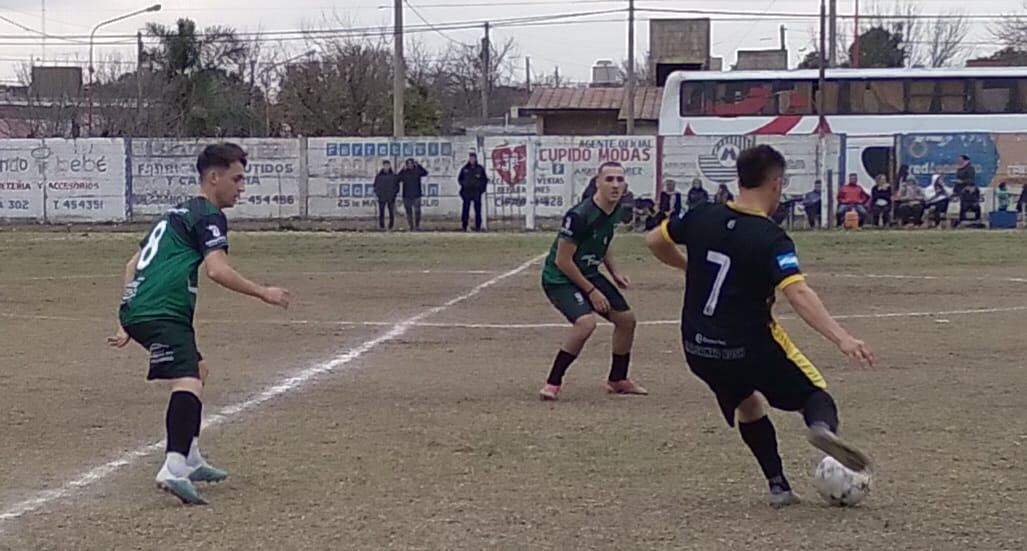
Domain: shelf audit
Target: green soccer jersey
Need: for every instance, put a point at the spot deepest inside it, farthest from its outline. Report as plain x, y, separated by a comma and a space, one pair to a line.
165, 283
591, 229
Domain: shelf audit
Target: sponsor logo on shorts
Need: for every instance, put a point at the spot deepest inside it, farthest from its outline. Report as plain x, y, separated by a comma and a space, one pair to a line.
578, 297
714, 352
161, 353
701, 339
788, 261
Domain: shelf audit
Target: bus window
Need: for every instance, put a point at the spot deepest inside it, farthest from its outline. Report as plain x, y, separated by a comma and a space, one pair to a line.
693, 98
739, 98
937, 96
834, 98
994, 95
793, 97
876, 97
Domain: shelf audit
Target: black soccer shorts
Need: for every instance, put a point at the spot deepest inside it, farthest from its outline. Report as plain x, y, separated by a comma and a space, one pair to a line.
774, 368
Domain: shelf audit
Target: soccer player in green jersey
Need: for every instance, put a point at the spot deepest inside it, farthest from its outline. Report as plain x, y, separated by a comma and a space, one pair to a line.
160, 298
574, 285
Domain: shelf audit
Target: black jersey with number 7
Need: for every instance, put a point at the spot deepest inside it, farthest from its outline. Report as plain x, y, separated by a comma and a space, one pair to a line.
737, 258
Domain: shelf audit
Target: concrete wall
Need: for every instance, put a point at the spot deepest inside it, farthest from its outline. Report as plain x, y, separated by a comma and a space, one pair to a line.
761, 60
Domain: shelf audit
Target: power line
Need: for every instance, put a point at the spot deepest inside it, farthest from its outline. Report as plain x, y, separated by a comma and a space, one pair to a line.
762, 15
433, 27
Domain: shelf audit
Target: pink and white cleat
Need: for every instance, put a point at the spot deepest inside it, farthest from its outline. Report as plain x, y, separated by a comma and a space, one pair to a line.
625, 387
549, 393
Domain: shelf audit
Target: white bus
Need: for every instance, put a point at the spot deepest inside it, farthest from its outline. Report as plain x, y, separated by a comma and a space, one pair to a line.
869, 106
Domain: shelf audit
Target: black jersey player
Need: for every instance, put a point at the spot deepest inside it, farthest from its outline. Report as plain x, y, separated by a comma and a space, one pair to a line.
737, 259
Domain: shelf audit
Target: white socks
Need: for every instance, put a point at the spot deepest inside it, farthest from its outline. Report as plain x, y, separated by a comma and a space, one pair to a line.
175, 464
195, 459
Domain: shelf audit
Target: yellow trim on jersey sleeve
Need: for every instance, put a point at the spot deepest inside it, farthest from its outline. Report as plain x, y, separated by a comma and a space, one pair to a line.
796, 356
789, 281
665, 231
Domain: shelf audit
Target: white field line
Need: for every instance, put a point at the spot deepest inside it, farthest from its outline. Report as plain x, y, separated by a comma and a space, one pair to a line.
73, 277
280, 388
541, 325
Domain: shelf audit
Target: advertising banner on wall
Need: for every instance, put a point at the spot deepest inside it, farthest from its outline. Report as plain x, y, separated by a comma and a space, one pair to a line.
342, 171
164, 174
58, 180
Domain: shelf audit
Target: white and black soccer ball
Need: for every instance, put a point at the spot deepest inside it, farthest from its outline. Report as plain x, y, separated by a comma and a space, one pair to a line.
839, 485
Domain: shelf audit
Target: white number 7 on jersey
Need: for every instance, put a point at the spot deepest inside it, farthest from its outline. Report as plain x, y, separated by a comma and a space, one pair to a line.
723, 263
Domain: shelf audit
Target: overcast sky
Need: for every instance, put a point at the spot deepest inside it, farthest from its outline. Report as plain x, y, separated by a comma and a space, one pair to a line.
572, 47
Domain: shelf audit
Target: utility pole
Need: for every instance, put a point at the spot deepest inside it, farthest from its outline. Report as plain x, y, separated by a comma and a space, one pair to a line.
486, 67
832, 35
631, 67
42, 6
399, 77
821, 89
527, 72
784, 39
139, 80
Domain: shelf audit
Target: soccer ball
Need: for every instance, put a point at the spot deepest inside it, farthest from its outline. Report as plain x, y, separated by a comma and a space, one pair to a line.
839, 485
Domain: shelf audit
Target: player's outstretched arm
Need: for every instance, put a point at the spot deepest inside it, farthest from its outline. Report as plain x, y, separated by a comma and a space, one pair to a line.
811, 309
665, 250
219, 270
120, 338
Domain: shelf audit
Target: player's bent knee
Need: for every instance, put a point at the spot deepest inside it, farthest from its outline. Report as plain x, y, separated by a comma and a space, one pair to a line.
625, 320
751, 409
585, 325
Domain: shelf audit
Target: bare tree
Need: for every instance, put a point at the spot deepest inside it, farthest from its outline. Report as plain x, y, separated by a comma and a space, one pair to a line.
927, 42
1012, 31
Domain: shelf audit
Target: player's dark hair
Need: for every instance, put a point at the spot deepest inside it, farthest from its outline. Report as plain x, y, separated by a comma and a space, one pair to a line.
755, 164
609, 164
220, 155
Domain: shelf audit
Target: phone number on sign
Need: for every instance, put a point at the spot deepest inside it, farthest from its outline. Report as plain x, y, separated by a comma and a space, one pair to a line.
15, 204
271, 199
78, 204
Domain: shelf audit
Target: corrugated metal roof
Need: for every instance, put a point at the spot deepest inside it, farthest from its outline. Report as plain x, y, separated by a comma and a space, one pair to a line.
647, 101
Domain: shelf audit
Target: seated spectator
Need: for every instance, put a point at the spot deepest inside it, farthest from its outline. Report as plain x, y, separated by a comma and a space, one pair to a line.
670, 199
851, 197
881, 202
723, 195
811, 203
970, 206
909, 206
938, 203
697, 195
1002, 198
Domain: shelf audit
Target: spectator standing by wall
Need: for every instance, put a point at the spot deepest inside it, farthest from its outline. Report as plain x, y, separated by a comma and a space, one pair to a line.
812, 202
386, 188
852, 197
966, 175
411, 177
473, 180
881, 202
590, 189
697, 195
909, 207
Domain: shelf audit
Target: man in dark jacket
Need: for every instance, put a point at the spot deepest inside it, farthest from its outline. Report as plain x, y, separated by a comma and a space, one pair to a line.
473, 182
966, 176
411, 177
386, 187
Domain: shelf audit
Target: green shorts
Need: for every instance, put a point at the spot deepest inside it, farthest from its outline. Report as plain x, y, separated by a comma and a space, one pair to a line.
172, 347
573, 304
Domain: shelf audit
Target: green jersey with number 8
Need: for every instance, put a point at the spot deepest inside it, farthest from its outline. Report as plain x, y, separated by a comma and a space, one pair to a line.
165, 283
